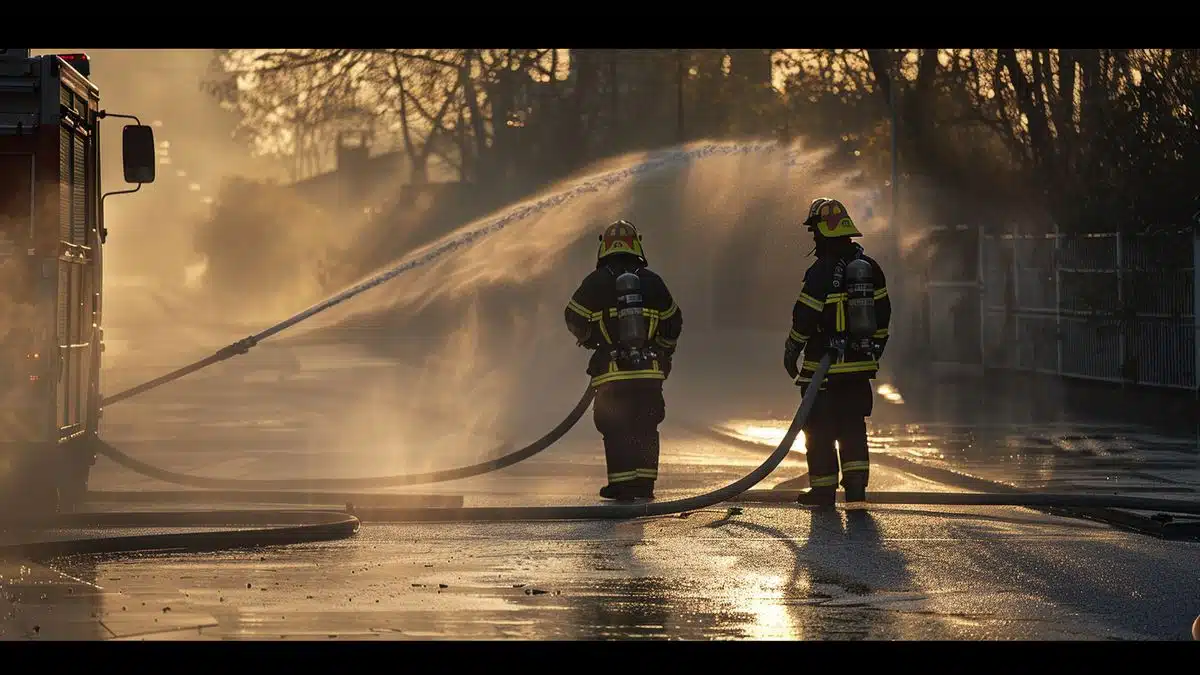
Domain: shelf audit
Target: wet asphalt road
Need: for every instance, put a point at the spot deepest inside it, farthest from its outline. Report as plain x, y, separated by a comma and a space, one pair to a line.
766, 572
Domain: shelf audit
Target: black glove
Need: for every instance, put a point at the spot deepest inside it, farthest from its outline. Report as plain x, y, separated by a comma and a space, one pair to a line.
583, 335
791, 356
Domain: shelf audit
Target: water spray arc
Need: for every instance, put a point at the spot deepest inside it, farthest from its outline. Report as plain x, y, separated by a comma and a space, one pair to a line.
656, 162
423, 257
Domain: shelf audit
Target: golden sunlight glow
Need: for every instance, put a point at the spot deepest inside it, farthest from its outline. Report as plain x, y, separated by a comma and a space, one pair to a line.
766, 432
890, 393
764, 601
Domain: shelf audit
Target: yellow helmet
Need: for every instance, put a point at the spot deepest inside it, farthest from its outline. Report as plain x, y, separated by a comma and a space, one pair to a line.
829, 219
621, 237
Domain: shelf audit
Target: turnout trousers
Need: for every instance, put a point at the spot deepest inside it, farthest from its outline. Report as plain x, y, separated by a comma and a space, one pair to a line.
627, 414
839, 417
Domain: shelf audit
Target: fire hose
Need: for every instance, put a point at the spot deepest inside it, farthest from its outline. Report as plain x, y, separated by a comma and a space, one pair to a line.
333, 525
521, 454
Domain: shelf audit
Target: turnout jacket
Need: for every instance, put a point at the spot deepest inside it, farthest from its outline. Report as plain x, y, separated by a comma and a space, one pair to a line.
591, 317
820, 314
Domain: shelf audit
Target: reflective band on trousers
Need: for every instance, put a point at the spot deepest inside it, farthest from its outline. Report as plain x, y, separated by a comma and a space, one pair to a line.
856, 466
626, 476
823, 481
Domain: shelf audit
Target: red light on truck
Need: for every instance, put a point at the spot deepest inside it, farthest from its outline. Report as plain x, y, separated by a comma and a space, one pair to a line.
33, 378
78, 61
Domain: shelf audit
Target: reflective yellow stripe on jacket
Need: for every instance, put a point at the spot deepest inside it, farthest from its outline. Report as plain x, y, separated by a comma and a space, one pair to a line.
810, 301
615, 375
809, 367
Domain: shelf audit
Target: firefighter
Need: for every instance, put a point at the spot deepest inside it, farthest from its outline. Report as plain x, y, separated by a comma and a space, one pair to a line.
625, 314
843, 307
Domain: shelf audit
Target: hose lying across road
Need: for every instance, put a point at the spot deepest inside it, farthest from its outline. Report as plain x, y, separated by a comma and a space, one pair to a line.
331, 525
521, 454
607, 511
738, 491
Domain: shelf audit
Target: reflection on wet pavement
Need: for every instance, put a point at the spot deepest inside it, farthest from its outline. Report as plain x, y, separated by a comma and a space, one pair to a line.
1059, 458
764, 573
1053, 458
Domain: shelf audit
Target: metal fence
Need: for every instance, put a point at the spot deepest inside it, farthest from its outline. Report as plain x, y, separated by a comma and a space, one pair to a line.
1099, 306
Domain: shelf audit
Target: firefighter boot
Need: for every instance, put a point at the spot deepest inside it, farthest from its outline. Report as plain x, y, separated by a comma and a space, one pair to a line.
855, 483
628, 490
643, 488
824, 496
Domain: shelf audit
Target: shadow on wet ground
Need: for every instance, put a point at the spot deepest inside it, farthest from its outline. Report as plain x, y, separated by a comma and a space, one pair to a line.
752, 573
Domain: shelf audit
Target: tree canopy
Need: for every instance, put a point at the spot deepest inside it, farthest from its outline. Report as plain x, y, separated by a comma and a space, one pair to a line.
1082, 139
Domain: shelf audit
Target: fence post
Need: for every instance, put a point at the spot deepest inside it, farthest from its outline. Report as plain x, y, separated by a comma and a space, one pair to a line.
980, 295
1058, 335
1196, 312
1196, 325
1122, 329
1015, 338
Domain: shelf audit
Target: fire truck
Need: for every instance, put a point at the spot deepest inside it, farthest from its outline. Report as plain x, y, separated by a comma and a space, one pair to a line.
51, 271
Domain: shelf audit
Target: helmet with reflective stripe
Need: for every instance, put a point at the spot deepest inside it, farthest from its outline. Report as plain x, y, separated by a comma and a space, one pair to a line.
828, 218
621, 237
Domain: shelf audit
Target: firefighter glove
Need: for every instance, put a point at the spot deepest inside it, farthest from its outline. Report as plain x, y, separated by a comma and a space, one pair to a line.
791, 356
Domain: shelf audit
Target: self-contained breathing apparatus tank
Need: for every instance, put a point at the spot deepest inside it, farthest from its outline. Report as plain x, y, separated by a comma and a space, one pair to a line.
632, 326
861, 322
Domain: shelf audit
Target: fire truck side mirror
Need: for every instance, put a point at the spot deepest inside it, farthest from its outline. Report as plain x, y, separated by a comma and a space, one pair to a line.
137, 153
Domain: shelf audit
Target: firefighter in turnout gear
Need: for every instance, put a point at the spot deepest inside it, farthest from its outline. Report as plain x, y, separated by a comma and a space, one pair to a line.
843, 307
625, 314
